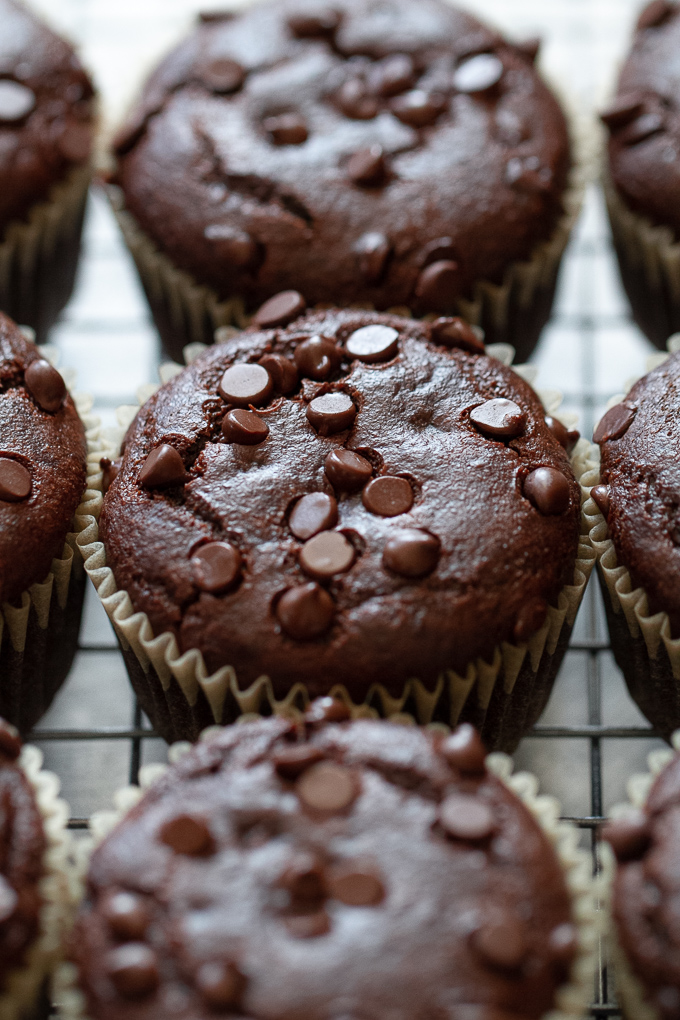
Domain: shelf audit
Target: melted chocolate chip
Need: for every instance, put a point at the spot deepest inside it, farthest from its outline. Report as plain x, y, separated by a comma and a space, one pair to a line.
245, 385
15, 481
327, 788
280, 309
368, 166
305, 612
304, 879
10, 741
223, 75
455, 332
189, 835
355, 887
291, 762
463, 816
628, 836
548, 490
16, 101
388, 496
393, 75
601, 495
654, 14
317, 358
133, 970
313, 513
314, 26
8, 900
373, 343
478, 74
347, 471
411, 553
622, 111
286, 129
501, 943
234, 246
567, 438
244, 427
418, 109
643, 127
615, 423
499, 418
221, 984
45, 385
439, 284
464, 750
216, 567
374, 251
326, 555
163, 468
110, 471
308, 926
331, 413
355, 101
282, 371
328, 709
126, 916
530, 619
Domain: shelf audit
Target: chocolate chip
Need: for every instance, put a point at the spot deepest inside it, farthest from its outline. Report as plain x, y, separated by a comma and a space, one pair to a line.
373, 343
548, 489
327, 788
16, 101
286, 129
8, 900
244, 385
368, 166
418, 109
305, 612
655, 14
313, 513
356, 887
499, 418
529, 48
189, 835
478, 74
439, 284
393, 75
10, 741
327, 710
501, 943
282, 371
374, 251
308, 926
331, 413
314, 26
110, 471
615, 423
317, 358
244, 427
466, 817
234, 246
280, 309
528, 174
126, 916
221, 984
563, 942
567, 438
216, 566
455, 332
347, 471
133, 969
162, 469
622, 111
411, 553
530, 619
291, 762
75, 142
326, 555
45, 385
355, 102
223, 75
15, 481
600, 493
643, 127
388, 496
304, 879
464, 750
628, 836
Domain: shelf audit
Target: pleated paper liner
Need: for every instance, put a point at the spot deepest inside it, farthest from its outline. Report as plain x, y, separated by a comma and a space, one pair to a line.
572, 998
39, 633
23, 996
39, 255
629, 989
643, 646
502, 697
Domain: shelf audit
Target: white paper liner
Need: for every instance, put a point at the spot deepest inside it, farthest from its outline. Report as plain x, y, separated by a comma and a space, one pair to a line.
57, 889
572, 999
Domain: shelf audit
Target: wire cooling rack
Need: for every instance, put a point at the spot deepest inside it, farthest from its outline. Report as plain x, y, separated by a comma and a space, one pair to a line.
591, 738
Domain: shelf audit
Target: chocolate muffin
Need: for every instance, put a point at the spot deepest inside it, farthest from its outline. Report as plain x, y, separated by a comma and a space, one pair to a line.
42, 481
638, 542
359, 501
46, 125
363, 870
395, 153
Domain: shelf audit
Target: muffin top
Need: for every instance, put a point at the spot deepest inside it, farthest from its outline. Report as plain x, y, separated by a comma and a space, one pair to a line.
325, 871
644, 118
365, 150
355, 498
22, 848
646, 891
42, 463
640, 492
45, 111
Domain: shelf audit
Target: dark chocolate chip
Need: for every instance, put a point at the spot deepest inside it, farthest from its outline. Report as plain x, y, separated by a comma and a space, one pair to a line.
355, 886
600, 493
347, 471
162, 469
418, 109
331, 413
499, 418
355, 102
563, 942
223, 75
16, 101
456, 332
327, 710
464, 816
411, 552
393, 75
232, 245
305, 612
643, 127
45, 385
464, 750
244, 427
368, 166
548, 489
327, 788
75, 142
282, 371
326, 555
245, 385
567, 438
374, 251
216, 567
291, 762
501, 943
221, 984
10, 741
15, 481
439, 249
655, 14
478, 74
388, 496
628, 836
304, 880
314, 26
8, 900
373, 343
286, 129
317, 358
280, 309
187, 834
126, 916
133, 970
110, 471
530, 619
438, 285
622, 111
313, 513
308, 926
615, 423
529, 48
